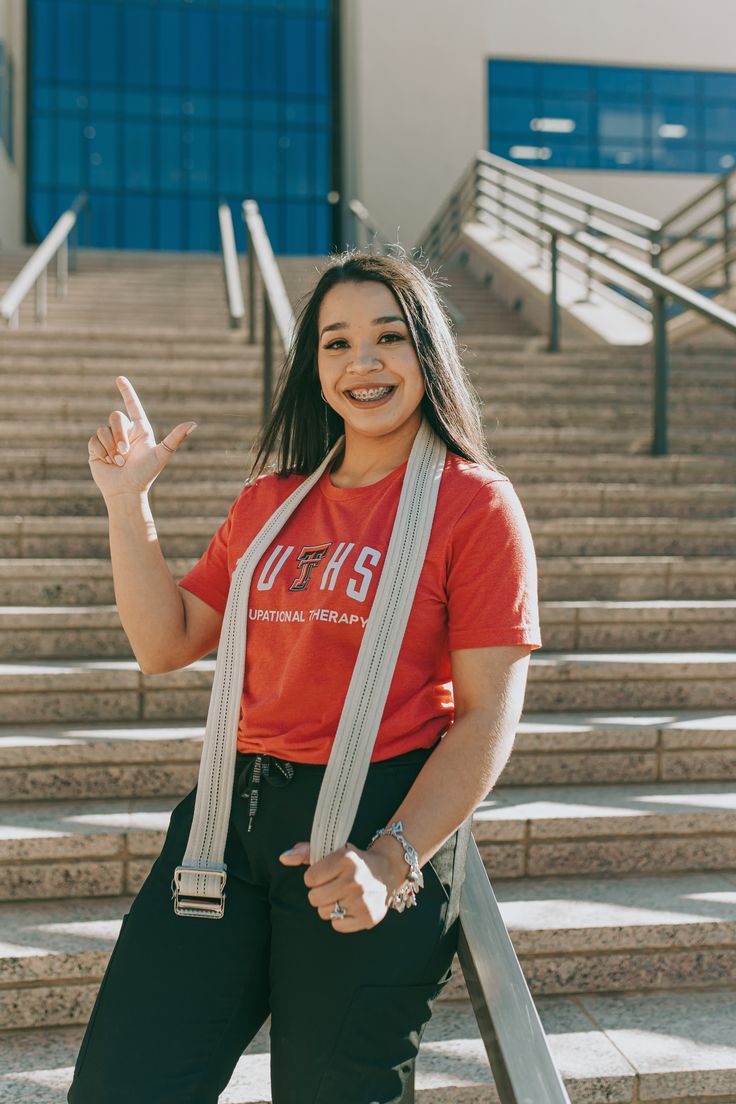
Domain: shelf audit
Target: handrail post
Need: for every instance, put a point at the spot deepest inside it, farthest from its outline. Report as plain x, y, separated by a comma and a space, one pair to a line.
655, 249
540, 216
62, 269
554, 307
726, 233
588, 260
74, 236
41, 299
502, 206
661, 365
267, 356
251, 288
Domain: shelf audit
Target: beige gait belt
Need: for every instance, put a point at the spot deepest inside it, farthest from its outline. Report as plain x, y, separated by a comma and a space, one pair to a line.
198, 885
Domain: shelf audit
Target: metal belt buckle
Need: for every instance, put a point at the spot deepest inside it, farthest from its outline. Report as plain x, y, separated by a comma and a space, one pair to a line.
212, 907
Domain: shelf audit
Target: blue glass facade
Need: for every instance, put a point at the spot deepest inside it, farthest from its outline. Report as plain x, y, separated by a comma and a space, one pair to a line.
555, 115
160, 108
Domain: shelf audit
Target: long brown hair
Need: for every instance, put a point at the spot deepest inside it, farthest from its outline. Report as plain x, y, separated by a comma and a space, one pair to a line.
304, 427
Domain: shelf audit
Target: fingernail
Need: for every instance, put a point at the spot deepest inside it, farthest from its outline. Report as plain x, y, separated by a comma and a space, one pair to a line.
291, 851
119, 460
123, 446
191, 428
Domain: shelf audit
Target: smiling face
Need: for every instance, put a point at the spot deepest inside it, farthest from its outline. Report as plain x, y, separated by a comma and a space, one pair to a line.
365, 348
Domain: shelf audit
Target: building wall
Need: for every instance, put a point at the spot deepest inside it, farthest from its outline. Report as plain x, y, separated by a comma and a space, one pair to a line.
419, 76
12, 173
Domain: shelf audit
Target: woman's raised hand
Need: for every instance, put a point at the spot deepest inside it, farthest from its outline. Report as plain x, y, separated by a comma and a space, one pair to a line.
123, 455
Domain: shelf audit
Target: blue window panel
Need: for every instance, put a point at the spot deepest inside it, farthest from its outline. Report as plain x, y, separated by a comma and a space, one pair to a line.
232, 59
674, 83
70, 58
297, 55
104, 43
619, 82
137, 47
42, 146
169, 49
103, 101
137, 221
298, 111
264, 55
230, 109
171, 223
565, 154
171, 177
512, 74
137, 103
577, 110
103, 156
231, 142
271, 213
322, 228
622, 155
43, 97
266, 109
566, 80
43, 23
199, 49
71, 100
512, 114
674, 114
40, 211
321, 168
199, 154
296, 163
198, 106
170, 105
202, 224
264, 159
675, 158
298, 227
626, 121
103, 217
322, 57
719, 159
137, 151
719, 86
69, 153
720, 123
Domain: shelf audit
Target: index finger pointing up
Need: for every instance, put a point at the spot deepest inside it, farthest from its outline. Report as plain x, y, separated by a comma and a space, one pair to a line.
133, 405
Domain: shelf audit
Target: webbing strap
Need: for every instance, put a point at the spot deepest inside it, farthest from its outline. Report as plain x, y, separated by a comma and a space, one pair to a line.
198, 883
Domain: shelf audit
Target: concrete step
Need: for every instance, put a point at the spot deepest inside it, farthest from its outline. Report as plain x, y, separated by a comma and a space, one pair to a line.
238, 432
86, 689
51, 537
102, 846
221, 465
572, 936
81, 582
81, 497
119, 759
658, 1047
39, 632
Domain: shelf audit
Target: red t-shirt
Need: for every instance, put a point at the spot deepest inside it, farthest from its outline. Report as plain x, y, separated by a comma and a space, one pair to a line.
312, 591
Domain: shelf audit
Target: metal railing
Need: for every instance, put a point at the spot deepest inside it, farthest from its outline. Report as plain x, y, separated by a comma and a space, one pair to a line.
615, 250
699, 238
368, 234
231, 272
35, 271
276, 306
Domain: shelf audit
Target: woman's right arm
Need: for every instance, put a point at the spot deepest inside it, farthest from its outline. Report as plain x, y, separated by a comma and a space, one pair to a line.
167, 627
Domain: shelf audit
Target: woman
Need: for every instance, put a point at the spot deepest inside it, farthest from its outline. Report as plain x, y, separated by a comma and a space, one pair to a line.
348, 975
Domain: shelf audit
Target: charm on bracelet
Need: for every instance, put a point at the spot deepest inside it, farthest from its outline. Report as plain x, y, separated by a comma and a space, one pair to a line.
406, 894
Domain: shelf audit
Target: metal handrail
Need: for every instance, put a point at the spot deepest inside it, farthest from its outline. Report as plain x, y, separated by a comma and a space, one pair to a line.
365, 222
231, 271
276, 305
704, 213
660, 287
35, 270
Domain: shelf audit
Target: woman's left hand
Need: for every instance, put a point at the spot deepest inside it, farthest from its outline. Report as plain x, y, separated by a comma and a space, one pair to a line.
362, 881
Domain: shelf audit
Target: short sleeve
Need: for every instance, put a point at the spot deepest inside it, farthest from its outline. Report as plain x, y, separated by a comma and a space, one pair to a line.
209, 578
492, 573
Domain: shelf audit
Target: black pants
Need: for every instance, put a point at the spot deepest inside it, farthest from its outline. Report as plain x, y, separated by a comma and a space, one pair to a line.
182, 997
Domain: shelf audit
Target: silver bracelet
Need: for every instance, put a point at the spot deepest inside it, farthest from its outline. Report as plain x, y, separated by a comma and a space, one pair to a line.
406, 894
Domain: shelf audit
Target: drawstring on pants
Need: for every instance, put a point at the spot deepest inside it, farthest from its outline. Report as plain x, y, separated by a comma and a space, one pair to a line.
262, 767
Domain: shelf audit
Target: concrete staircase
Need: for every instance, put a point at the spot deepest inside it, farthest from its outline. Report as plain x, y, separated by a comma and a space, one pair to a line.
611, 836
